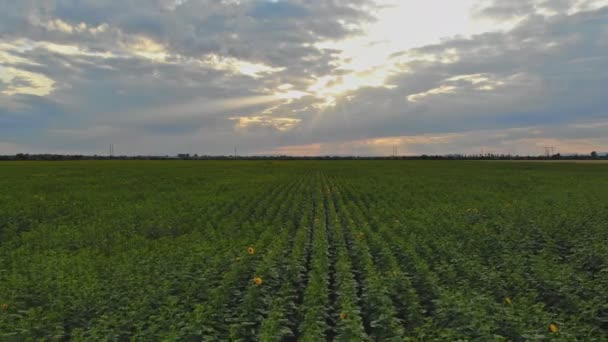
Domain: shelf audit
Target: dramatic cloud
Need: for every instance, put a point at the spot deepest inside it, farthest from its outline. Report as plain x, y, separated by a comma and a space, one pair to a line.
303, 77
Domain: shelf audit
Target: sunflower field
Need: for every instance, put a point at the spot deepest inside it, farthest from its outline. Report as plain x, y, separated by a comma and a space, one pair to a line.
303, 251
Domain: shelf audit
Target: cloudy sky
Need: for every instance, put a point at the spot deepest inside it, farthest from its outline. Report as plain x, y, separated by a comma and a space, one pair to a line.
303, 77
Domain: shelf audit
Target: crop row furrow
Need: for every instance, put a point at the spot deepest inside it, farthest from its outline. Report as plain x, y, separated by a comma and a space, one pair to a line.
314, 308
379, 311
346, 311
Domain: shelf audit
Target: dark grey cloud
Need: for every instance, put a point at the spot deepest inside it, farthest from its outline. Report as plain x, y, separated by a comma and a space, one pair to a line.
270, 10
507, 9
28, 118
511, 9
264, 31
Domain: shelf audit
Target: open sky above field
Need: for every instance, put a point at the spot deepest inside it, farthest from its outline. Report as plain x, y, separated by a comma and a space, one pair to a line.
303, 77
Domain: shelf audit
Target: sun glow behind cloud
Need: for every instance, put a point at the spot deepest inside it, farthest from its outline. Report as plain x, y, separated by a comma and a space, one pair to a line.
384, 49
400, 26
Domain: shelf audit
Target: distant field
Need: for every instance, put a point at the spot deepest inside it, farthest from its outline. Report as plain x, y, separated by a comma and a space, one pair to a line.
603, 161
306, 250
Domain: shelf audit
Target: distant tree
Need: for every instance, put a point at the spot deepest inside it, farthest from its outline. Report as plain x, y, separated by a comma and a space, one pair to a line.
594, 154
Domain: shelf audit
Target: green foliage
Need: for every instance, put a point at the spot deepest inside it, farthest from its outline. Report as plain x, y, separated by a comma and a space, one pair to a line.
343, 250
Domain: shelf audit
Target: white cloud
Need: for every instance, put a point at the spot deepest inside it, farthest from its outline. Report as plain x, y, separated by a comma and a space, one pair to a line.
238, 66
25, 82
280, 124
444, 89
59, 25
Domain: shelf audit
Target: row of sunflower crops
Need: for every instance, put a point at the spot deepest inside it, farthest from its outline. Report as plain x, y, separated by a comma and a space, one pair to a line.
310, 251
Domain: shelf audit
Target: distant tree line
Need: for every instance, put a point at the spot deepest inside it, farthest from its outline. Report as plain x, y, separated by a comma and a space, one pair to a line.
62, 157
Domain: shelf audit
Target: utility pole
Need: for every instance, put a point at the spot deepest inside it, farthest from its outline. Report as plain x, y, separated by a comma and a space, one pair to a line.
235, 152
549, 151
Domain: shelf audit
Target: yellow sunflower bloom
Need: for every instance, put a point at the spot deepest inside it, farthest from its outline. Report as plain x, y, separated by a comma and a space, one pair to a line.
553, 328
258, 281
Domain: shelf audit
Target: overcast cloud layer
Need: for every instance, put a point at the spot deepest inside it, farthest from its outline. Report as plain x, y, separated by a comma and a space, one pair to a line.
304, 77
